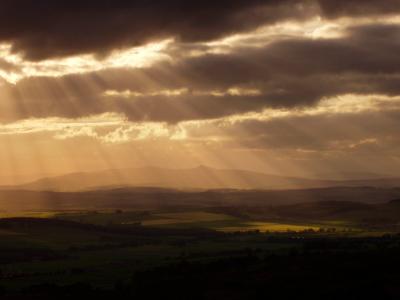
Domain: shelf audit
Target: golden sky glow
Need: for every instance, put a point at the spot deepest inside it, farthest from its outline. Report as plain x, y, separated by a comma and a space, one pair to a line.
299, 91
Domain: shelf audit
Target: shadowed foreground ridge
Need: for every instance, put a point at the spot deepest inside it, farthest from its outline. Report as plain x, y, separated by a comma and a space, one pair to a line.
349, 268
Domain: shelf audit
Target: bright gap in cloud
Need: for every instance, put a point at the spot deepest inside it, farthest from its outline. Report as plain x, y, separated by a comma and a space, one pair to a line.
137, 57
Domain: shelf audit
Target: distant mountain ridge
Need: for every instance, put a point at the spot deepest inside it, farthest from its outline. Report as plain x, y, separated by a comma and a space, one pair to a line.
196, 178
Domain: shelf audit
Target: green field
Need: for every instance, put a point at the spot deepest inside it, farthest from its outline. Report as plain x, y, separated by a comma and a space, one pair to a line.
188, 219
269, 227
223, 222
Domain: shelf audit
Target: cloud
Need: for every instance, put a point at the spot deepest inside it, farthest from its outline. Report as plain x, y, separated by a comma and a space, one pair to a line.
337, 8
336, 124
109, 128
7, 66
75, 27
347, 125
46, 29
14, 68
288, 73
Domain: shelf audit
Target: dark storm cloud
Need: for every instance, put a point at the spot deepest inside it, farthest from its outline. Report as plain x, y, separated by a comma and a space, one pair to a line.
337, 8
46, 28
291, 64
287, 73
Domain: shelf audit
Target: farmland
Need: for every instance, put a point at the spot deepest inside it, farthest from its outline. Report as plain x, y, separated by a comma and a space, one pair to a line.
99, 250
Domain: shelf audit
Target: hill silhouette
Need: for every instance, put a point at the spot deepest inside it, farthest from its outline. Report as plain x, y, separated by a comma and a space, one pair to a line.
155, 198
196, 178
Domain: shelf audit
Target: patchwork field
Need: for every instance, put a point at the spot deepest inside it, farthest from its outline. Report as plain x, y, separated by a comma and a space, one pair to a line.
107, 247
187, 219
269, 227
180, 219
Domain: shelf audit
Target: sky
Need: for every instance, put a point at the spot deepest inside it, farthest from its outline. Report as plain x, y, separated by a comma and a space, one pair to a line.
290, 87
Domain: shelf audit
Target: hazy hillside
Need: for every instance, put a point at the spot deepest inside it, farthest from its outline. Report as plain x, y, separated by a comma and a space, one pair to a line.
150, 198
196, 178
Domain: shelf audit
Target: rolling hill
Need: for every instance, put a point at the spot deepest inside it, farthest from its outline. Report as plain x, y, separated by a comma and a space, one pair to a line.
195, 178
157, 198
